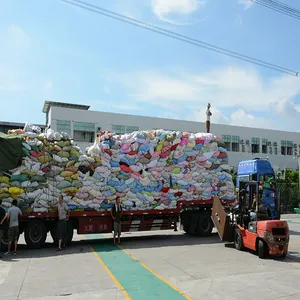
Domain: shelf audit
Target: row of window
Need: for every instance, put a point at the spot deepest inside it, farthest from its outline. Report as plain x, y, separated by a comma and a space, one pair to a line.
122, 129
254, 148
86, 127
84, 131
255, 141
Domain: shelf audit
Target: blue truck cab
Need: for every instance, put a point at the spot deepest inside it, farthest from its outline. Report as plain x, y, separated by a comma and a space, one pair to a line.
261, 171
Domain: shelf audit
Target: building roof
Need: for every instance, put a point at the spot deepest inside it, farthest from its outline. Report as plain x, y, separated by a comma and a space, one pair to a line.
16, 124
48, 104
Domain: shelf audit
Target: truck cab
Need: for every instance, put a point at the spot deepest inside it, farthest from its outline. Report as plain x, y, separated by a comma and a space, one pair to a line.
260, 171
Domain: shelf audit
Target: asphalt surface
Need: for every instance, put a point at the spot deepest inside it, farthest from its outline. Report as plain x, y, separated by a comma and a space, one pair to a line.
165, 265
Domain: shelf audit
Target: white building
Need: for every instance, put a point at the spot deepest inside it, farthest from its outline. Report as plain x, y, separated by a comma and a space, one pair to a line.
242, 143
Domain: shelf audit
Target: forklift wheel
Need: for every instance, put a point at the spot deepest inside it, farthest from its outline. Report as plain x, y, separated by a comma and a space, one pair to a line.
238, 240
262, 249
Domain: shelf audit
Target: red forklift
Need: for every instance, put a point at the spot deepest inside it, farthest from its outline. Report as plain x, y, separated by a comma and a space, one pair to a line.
254, 222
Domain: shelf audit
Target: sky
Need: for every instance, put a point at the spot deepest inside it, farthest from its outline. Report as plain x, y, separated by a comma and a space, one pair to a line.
53, 51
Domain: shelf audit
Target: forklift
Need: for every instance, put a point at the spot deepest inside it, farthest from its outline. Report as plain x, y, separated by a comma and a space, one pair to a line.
254, 222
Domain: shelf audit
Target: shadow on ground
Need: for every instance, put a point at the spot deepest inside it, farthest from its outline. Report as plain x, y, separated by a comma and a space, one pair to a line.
104, 244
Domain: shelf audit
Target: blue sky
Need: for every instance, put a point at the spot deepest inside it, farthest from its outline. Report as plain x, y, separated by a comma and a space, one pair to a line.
53, 51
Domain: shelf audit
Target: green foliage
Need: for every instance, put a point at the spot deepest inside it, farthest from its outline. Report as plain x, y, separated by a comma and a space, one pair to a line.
289, 191
234, 176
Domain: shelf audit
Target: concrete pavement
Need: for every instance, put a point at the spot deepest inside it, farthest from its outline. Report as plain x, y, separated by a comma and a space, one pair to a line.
168, 265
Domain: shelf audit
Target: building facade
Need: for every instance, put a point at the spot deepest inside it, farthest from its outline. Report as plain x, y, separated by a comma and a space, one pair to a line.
242, 143
6, 126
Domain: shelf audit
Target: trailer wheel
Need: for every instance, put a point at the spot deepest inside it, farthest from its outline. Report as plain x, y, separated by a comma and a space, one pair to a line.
238, 240
262, 249
70, 232
35, 234
204, 224
186, 222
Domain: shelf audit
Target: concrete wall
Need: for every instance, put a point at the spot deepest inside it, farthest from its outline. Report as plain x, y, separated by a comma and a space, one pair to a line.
106, 120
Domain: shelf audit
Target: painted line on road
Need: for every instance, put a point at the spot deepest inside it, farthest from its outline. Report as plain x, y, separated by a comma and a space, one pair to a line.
155, 274
114, 279
134, 278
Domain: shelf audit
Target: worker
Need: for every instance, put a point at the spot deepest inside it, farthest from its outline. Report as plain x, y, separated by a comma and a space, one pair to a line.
63, 217
208, 114
116, 214
12, 215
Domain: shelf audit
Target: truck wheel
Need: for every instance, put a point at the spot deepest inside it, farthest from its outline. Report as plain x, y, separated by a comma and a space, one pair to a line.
262, 249
238, 240
35, 234
186, 223
204, 224
70, 232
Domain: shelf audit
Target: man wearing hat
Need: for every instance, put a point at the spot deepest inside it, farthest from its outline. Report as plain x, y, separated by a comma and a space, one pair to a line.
208, 114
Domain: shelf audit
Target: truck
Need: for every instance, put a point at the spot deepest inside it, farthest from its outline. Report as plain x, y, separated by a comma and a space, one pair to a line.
193, 215
254, 223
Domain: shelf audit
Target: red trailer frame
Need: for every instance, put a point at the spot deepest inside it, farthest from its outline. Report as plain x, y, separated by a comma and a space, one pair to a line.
194, 216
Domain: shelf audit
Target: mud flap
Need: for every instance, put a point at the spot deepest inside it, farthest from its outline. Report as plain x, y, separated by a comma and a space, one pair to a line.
221, 221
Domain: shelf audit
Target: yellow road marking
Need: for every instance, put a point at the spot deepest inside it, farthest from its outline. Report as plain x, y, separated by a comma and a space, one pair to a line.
157, 275
117, 283
114, 279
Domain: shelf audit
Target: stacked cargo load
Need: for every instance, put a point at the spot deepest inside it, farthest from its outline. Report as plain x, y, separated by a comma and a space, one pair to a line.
146, 169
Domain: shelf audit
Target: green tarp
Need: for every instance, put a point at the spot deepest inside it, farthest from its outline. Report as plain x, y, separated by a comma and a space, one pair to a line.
10, 151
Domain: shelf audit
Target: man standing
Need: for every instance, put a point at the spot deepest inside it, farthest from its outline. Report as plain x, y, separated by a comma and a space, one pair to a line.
12, 215
63, 217
208, 114
2, 216
116, 214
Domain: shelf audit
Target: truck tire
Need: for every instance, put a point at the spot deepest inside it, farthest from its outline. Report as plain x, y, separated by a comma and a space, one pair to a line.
35, 234
262, 249
204, 224
238, 240
186, 221
70, 232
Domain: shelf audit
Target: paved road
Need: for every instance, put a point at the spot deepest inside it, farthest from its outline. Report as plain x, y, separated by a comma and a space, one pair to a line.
166, 266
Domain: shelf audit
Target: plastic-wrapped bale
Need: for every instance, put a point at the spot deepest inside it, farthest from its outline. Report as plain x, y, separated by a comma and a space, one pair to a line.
146, 169
154, 169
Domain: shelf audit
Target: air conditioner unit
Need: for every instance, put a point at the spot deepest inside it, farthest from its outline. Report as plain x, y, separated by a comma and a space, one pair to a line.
274, 143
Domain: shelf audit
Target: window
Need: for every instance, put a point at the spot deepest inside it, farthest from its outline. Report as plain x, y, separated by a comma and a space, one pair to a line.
118, 129
226, 139
122, 129
83, 126
275, 150
264, 147
130, 129
270, 150
84, 136
283, 148
63, 126
289, 148
243, 148
255, 143
235, 143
